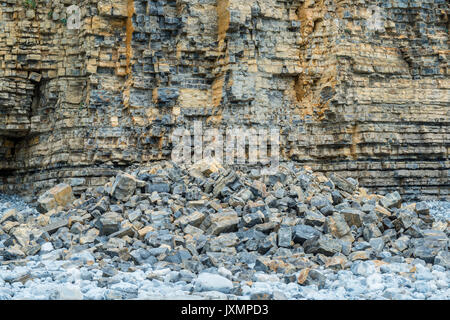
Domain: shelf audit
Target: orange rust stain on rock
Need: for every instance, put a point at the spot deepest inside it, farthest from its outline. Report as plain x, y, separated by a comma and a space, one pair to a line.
129, 33
308, 85
128, 53
223, 23
303, 275
355, 140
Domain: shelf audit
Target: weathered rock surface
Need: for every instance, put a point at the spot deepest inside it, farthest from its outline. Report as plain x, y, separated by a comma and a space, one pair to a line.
355, 88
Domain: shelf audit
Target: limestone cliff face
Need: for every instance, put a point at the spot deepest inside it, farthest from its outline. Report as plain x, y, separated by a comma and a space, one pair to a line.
357, 87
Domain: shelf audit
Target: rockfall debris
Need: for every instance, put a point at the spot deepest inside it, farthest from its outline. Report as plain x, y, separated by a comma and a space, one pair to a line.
296, 224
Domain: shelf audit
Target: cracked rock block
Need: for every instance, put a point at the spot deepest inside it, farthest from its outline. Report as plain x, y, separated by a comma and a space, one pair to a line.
59, 195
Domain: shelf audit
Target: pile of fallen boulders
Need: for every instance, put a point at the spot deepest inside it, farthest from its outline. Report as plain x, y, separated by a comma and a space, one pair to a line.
207, 215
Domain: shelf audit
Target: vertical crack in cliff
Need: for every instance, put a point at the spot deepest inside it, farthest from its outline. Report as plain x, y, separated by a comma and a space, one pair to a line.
129, 53
355, 140
221, 64
309, 84
129, 34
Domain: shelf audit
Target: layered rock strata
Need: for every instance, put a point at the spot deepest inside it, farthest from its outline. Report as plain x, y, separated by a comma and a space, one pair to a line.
361, 89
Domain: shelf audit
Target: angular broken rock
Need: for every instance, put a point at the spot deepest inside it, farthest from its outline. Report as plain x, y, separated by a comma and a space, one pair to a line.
160, 218
127, 231
142, 232
123, 187
158, 187
359, 255
319, 202
323, 244
89, 236
428, 248
407, 218
303, 276
266, 227
69, 292
377, 244
304, 232
390, 200
336, 225
222, 183
342, 183
443, 259
53, 227
205, 167
223, 222
316, 277
253, 219
13, 253
222, 241
60, 194
32, 249
371, 231
382, 212
353, 217
22, 235
213, 282
422, 208
102, 205
9, 215
284, 237
314, 218
336, 262
194, 219
107, 226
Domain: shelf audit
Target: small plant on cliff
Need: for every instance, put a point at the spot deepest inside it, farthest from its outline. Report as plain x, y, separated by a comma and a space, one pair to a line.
29, 4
